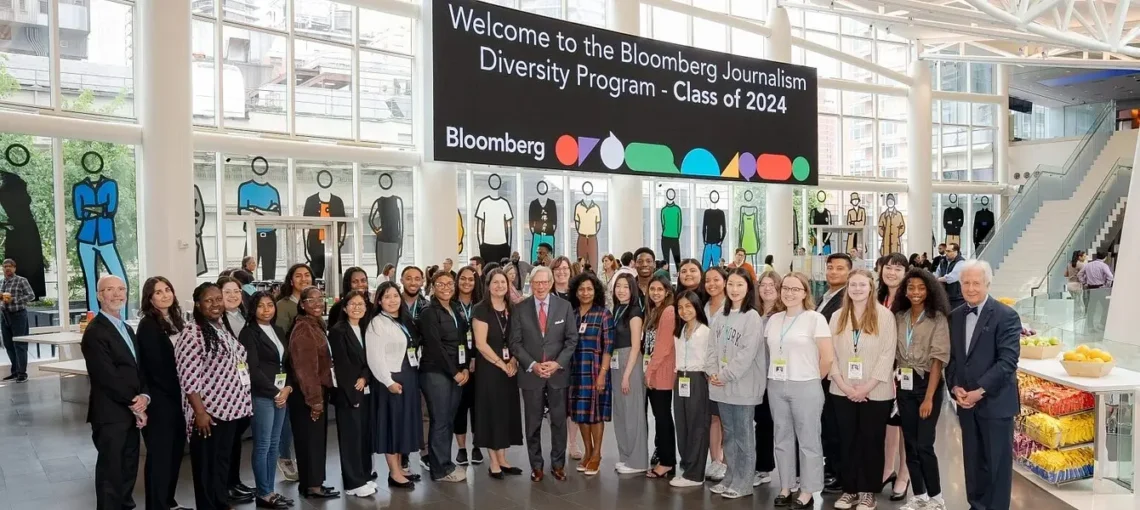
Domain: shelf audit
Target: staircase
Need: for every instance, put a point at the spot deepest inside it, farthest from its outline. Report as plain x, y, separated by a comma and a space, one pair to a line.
1111, 228
1025, 265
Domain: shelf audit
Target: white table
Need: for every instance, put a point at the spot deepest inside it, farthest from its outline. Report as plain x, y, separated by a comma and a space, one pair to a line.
74, 386
1119, 380
65, 340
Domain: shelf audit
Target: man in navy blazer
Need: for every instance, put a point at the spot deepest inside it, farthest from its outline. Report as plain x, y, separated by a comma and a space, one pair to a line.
984, 347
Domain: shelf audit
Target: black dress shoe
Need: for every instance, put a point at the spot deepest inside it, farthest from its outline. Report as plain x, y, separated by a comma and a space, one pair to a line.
238, 497
273, 503
373, 476
795, 504
461, 457
322, 493
288, 501
413, 477
397, 485
785, 499
11, 377
244, 488
832, 486
476, 456
497, 476
513, 471
179, 507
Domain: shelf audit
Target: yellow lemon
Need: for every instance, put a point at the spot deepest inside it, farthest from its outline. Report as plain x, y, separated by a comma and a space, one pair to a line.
1083, 348
1096, 360
1070, 356
1079, 357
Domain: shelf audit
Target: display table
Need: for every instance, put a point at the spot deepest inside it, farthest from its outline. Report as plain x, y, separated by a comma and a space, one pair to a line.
67, 341
1113, 395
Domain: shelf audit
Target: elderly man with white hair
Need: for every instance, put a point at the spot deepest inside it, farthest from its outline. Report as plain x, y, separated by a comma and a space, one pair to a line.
981, 375
117, 407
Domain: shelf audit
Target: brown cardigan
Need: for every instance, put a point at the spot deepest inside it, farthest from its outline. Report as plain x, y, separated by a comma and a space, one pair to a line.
312, 363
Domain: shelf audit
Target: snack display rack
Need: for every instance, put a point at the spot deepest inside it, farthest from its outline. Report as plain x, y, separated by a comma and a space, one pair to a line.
1055, 431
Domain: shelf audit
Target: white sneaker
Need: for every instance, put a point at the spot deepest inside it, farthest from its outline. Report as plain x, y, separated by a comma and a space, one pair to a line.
718, 489
424, 464
935, 504
732, 494
288, 469
456, 475
626, 470
761, 478
618, 466
719, 469
361, 492
684, 482
372, 484
916, 503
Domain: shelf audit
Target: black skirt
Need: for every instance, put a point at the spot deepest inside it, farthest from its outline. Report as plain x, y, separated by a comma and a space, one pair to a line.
399, 419
497, 417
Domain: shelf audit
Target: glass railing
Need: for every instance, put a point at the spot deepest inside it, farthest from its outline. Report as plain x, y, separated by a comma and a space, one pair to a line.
1048, 183
1083, 234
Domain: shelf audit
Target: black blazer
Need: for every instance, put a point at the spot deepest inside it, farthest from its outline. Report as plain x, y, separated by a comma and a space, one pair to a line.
156, 353
832, 306
349, 364
264, 361
116, 376
440, 335
991, 362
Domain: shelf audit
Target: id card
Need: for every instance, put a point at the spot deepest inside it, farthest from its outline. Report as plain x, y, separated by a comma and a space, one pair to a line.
243, 373
279, 381
413, 359
470, 340
367, 389
332, 370
506, 354
683, 387
614, 363
644, 362
462, 355
855, 368
780, 370
582, 329
906, 378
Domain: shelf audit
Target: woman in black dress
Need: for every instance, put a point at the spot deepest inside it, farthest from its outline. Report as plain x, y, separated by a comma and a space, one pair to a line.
392, 351
498, 424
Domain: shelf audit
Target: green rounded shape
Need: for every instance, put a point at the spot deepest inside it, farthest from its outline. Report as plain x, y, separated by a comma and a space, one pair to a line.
801, 168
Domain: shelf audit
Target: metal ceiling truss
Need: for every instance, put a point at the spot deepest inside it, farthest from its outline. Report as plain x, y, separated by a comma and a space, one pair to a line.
1043, 30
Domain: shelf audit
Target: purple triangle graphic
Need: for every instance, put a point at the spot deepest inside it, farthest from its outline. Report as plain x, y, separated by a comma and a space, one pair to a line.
585, 146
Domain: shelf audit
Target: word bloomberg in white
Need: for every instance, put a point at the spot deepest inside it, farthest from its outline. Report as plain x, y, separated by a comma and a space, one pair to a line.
458, 137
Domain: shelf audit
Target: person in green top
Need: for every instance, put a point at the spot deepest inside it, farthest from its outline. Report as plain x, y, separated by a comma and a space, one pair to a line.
298, 278
671, 229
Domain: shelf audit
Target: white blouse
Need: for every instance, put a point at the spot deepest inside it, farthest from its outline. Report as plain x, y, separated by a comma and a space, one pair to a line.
386, 346
691, 351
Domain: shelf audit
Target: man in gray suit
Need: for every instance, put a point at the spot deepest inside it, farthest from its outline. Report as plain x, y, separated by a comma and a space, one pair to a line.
543, 339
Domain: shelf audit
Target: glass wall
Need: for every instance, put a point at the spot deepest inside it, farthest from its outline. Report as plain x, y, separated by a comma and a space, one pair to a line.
964, 133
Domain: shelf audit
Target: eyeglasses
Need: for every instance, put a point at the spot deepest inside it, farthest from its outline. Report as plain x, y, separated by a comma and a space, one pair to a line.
444, 285
313, 300
792, 290
767, 285
539, 282
355, 305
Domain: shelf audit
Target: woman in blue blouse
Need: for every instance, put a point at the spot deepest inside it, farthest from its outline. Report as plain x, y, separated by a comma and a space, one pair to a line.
590, 404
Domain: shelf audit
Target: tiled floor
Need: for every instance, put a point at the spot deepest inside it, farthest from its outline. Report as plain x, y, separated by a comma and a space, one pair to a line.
48, 462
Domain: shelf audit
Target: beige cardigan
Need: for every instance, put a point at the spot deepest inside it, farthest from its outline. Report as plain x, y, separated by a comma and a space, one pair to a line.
877, 352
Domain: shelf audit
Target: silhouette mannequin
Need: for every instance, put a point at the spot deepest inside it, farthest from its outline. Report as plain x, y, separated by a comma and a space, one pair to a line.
325, 205
22, 241
387, 222
96, 201
713, 230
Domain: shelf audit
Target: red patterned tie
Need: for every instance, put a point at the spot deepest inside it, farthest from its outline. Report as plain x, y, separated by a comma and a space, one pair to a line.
542, 317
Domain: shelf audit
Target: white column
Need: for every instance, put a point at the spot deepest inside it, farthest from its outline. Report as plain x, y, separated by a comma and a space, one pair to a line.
920, 194
1126, 285
1002, 137
437, 212
626, 216
167, 170
779, 197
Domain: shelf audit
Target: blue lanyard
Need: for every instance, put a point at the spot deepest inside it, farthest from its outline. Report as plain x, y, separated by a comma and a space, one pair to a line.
855, 334
407, 334
784, 330
621, 313
910, 329
414, 309
466, 311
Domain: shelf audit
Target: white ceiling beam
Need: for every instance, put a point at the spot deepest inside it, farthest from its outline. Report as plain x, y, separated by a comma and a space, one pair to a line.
991, 49
1121, 13
1038, 10
716, 17
955, 28
954, 13
1082, 20
1052, 35
1127, 39
1057, 18
1068, 14
1100, 17
858, 86
1037, 61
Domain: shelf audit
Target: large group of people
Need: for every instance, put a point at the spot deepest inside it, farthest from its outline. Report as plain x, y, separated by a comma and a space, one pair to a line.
744, 374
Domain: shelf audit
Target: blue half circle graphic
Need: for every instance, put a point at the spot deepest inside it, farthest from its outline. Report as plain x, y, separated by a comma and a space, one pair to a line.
700, 162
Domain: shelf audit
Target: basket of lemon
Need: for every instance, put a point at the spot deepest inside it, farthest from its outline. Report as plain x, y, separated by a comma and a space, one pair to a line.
1035, 347
1087, 362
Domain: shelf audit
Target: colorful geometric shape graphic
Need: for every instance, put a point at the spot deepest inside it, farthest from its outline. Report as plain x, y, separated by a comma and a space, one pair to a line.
732, 171
801, 168
747, 166
649, 157
700, 162
586, 145
612, 152
774, 167
566, 150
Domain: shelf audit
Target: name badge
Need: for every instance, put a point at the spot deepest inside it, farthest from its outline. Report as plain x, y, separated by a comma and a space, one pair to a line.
413, 359
582, 329
614, 363
644, 362
723, 362
367, 389
279, 381
506, 354
780, 370
332, 372
855, 368
683, 388
906, 378
462, 355
470, 340
243, 373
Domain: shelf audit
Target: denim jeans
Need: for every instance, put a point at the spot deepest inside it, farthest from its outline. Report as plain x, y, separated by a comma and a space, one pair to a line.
285, 449
267, 422
739, 446
442, 395
14, 324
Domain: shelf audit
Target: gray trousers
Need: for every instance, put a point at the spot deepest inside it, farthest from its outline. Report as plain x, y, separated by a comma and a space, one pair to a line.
534, 401
693, 421
796, 409
631, 428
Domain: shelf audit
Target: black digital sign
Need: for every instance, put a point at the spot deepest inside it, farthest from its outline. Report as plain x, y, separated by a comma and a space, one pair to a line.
518, 89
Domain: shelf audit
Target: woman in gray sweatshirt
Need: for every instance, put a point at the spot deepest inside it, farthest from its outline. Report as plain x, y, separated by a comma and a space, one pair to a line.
737, 365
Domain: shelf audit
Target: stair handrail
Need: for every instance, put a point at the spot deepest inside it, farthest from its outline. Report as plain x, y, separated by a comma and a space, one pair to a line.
1021, 209
1122, 165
